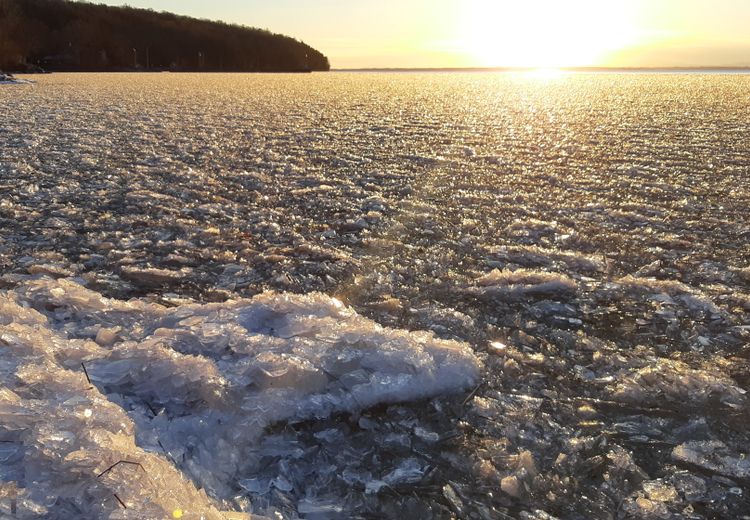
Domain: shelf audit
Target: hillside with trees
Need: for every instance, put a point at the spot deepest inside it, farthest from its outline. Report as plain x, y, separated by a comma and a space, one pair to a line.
61, 35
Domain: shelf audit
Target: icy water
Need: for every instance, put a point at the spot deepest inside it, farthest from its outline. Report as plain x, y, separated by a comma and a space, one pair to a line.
355, 295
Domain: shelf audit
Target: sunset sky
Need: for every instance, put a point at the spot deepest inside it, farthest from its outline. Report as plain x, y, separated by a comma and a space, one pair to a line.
468, 33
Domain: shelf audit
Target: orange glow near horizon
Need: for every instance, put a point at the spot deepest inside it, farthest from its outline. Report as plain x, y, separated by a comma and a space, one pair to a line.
502, 33
546, 33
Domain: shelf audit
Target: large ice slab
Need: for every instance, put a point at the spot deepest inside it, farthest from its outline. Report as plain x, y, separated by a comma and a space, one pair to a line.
178, 395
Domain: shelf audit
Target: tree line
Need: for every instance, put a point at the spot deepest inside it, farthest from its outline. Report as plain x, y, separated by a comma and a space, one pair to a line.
61, 35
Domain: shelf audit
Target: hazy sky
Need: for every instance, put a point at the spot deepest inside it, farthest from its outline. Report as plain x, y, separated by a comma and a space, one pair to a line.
447, 33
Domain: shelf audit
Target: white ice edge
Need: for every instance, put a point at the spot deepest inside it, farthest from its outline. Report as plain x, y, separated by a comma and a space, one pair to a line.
216, 375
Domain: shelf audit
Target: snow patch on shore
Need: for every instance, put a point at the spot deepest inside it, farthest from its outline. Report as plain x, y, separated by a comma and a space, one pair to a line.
9, 79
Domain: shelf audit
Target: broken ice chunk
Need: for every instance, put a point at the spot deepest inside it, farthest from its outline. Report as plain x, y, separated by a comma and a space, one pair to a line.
713, 456
524, 283
319, 509
409, 471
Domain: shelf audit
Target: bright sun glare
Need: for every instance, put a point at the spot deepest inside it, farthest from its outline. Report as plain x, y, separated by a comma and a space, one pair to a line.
545, 33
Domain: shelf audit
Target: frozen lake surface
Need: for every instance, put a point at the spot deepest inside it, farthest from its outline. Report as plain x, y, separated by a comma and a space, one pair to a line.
370, 295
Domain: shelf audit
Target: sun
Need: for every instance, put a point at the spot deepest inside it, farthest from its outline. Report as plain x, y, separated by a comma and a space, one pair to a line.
545, 33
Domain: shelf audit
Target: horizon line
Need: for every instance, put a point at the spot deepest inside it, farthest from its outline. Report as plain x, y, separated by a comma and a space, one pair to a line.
530, 68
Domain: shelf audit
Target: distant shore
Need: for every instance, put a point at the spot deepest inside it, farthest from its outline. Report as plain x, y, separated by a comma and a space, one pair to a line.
589, 70
159, 71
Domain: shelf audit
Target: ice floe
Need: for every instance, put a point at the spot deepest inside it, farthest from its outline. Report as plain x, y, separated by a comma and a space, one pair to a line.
109, 404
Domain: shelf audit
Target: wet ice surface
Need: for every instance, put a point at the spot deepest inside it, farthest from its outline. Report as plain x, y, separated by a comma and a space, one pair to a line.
587, 236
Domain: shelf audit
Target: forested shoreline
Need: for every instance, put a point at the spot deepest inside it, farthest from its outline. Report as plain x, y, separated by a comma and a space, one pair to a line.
60, 35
